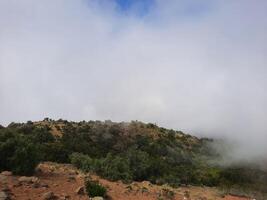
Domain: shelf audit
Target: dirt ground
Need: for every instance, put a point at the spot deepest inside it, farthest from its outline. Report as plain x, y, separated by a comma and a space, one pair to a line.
64, 181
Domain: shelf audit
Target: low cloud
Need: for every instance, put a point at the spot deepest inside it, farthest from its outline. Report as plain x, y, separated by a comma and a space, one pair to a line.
197, 67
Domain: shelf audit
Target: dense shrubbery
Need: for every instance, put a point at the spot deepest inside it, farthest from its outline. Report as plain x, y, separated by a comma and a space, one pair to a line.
18, 153
120, 151
95, 189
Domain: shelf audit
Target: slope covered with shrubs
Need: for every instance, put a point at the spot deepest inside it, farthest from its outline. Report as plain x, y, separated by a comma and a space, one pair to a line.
121, 151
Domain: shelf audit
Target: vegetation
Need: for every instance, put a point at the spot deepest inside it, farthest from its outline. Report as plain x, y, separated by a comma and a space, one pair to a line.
122, 151
95, 189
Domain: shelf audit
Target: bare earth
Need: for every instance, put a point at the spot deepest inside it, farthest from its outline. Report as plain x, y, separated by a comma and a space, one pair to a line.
64, 180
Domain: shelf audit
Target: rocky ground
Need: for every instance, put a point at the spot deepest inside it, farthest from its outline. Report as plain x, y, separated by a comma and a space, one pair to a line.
64, 182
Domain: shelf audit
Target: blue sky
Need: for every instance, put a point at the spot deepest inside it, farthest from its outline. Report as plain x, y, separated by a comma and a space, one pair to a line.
140, 7
185, 8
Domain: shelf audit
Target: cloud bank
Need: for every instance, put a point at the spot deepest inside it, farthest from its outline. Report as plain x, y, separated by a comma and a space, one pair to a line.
200, 67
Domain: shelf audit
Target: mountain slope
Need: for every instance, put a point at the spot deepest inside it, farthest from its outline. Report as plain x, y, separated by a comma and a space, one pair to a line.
128, 152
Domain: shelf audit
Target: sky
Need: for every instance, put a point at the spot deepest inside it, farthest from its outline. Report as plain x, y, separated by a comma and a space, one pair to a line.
196, 66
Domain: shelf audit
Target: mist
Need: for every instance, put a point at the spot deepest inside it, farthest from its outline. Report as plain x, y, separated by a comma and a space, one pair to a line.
199, 67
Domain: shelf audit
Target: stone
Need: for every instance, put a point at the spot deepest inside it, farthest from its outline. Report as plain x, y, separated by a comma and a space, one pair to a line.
49, 196
6, 189
3, 178
80, 191
6, 173
97, 198
64, 196
28, 179
44, 185
3, 196
35, 179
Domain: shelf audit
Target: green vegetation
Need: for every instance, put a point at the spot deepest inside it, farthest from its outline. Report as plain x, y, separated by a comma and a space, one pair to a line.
95, 189
122, 151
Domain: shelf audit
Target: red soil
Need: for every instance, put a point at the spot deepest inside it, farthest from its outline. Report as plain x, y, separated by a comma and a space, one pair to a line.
63, 180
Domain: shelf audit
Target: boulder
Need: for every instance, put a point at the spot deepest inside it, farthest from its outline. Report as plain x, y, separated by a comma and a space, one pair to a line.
6, 173
28, 179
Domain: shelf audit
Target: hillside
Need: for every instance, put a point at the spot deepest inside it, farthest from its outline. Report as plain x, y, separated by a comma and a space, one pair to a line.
64, 181
126, 152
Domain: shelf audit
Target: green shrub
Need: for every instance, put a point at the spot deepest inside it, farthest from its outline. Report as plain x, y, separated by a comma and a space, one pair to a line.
18, 154
116, 168
139, 164
55, 152
83, 162
95, 189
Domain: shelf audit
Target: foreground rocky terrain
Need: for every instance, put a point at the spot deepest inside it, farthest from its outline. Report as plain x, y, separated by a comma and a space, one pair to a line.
63, 181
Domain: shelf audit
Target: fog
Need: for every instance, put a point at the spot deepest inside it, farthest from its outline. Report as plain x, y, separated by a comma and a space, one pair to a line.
195, 66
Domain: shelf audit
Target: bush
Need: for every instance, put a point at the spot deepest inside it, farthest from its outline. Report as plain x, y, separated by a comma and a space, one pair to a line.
139, 163
18, 154
24, 159
95, 189
116, 168
81, 161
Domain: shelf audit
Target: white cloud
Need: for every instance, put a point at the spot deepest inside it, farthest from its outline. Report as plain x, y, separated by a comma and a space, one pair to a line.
200, 71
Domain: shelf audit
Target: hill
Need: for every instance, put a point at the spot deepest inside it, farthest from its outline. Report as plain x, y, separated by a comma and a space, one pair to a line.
127, 152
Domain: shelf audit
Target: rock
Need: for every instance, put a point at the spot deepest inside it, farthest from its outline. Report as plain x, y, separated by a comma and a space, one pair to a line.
35, 179
64, 197
97, 198
6, 173
44, 185
6, 189
3, 178
80, 191
3, 196
28, 179
146, 183
49, 196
